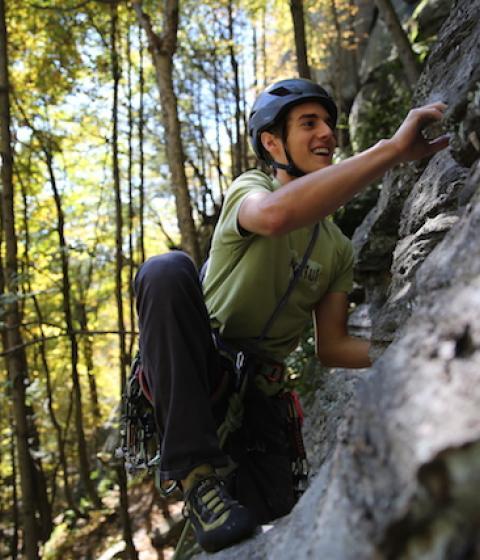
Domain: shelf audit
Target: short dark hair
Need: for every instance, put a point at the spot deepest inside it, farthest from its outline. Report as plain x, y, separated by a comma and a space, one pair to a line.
279, 130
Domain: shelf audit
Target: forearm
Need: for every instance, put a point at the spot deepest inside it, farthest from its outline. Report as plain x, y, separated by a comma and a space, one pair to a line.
348, 352
307, 199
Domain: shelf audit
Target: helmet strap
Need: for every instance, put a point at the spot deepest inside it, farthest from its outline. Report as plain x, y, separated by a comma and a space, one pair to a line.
290, 167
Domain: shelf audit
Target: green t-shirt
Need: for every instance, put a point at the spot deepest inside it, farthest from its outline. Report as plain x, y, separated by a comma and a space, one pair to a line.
248, 274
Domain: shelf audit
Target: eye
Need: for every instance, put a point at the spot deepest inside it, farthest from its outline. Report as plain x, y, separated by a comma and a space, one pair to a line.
308, 124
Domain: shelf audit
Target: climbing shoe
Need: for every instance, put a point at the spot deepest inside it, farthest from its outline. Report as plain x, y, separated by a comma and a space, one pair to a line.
218, 520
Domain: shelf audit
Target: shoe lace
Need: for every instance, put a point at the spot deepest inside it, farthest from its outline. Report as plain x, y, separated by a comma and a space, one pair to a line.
209, 498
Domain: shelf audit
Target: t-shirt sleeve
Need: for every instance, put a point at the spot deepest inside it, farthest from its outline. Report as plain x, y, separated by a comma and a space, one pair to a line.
343, 280
248, 183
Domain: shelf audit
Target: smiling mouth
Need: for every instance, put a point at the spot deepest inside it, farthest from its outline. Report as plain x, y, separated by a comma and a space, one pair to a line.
321, 152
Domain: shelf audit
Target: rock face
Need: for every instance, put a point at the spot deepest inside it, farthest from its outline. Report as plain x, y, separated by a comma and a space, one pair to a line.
397, 447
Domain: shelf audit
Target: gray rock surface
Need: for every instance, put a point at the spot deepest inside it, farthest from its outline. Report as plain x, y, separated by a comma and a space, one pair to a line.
429, 15
396, 449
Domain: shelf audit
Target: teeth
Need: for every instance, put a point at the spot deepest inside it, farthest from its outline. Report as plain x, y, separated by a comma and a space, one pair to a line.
321, 151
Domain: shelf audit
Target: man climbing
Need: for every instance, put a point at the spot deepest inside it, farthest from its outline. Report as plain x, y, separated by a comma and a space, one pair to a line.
265, 233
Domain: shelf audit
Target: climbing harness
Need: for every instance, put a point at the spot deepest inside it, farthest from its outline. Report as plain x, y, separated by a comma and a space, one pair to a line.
140, 445
245, 366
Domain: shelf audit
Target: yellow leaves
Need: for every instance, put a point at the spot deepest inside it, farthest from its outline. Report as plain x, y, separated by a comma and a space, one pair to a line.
328, 23
42, 50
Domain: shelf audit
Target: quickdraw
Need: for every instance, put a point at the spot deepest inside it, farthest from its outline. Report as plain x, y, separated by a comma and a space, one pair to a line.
300, 469
140, 443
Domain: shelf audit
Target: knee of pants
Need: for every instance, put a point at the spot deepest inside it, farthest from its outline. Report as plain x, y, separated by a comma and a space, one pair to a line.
162, 273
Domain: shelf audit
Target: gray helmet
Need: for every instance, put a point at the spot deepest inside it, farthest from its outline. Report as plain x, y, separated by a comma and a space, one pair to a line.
274, 102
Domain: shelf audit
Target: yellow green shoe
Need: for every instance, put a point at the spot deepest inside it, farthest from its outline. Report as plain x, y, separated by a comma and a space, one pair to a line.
218, 520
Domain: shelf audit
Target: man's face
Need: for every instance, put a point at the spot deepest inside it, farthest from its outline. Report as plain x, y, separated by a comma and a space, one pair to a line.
310, 138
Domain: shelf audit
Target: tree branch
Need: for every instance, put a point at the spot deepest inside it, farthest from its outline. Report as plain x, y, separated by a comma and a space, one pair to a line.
57, 9
71, 8
61, 335
144, 19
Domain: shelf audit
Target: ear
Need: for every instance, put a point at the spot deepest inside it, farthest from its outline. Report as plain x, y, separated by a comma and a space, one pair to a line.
270, 142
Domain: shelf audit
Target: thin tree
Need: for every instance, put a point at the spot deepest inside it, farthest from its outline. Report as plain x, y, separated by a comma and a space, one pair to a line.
15, 520
163, 48
245, 146
141, 126
400, 39
122, 479
62, 455
67, 310
216, 94
47, 146
119, 258
237, 145
81, 313
16, 359
264, 46
15, 517
255, 55
296, 9
131, 255
337, 68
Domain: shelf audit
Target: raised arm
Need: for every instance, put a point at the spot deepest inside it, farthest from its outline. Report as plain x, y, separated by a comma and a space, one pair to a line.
305, 200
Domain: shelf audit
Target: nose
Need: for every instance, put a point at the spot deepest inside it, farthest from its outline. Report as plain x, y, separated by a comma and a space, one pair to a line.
324, 131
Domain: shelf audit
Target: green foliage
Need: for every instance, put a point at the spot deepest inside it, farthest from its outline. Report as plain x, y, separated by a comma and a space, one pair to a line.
106, 483
58, 538
303, 367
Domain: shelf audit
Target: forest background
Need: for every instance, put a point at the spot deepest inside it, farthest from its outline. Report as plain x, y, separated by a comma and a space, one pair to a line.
122, 125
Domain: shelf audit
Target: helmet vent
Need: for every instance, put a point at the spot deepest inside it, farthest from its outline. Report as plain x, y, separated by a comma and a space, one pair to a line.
281, 92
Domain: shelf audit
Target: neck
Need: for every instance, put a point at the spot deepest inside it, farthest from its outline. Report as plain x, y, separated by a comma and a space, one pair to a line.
283, 177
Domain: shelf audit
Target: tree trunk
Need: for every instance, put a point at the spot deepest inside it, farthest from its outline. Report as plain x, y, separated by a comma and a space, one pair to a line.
217, 125
15, 516
163, 49
354, 43
53, 418
255, 56
15, 520
337, 50
44, 505
42, 499
16, 359
296, 8
124, 515
400, 39
237, 146
200, 169
131, 256
122, 479
141, 187
245, 161
67, 310
84, 284
88, 355
264, 46
118, 201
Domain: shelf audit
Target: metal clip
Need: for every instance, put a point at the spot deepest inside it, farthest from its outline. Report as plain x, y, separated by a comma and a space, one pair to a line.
239, 360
